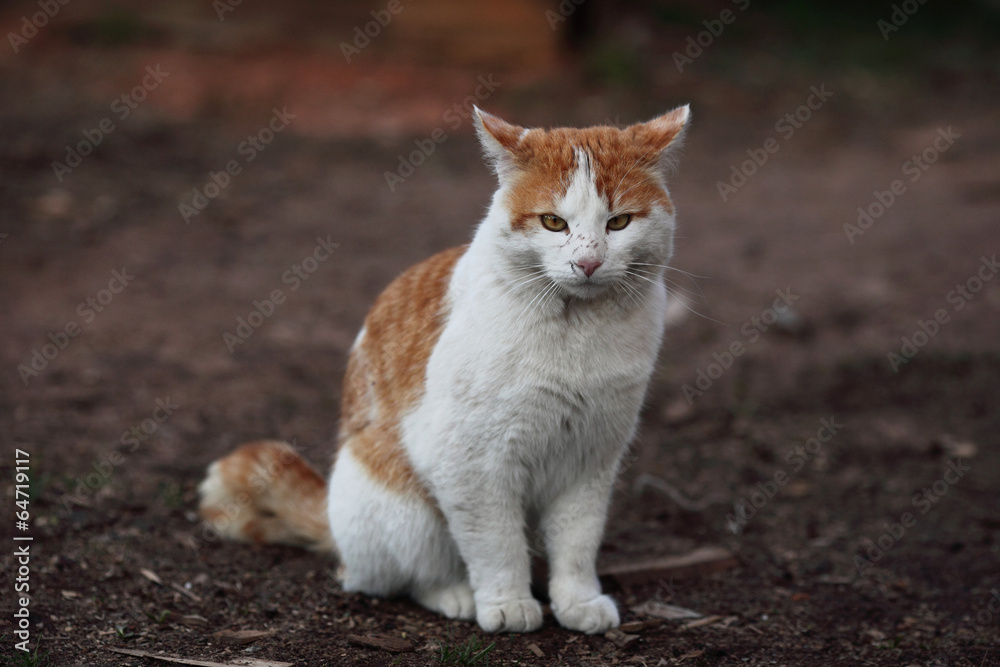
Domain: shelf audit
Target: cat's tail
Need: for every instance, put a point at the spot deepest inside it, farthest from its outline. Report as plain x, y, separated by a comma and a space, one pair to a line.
265, 493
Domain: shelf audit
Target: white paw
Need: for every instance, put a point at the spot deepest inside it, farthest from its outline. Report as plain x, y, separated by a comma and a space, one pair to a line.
524, 615
592, 617
454, 601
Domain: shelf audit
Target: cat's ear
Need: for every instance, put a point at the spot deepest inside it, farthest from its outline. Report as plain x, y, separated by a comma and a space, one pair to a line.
664, 134
499, 140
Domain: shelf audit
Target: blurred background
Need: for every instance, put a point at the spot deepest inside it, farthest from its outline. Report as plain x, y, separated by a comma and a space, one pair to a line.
200, 200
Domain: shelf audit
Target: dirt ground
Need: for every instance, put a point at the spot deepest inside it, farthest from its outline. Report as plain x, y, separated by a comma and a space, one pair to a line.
870, 525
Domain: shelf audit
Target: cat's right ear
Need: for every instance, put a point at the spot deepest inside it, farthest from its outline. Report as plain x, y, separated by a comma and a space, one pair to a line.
499, 140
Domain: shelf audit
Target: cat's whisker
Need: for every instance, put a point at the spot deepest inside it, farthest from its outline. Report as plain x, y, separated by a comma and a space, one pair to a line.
676, 293
670, 267
538, 299
516, 277
629, 292
683, 302
638, 297
650, 276
690, 276
673, 268
538, 275
680, 293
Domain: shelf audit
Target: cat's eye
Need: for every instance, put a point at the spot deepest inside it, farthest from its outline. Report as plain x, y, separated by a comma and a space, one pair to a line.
619, 222
553, 223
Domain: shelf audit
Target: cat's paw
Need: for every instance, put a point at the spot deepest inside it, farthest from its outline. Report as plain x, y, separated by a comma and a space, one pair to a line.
591, 617
455, 601
524, 615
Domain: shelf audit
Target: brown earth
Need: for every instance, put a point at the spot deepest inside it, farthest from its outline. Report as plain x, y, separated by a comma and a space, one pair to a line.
107, 506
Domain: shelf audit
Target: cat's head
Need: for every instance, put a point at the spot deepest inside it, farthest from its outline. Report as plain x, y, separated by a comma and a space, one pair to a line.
587, 207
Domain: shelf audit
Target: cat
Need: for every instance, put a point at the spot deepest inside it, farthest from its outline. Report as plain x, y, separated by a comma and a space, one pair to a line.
491, 392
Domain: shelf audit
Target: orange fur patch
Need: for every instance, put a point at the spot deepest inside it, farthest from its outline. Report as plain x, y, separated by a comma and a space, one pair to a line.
386, 372
623, 164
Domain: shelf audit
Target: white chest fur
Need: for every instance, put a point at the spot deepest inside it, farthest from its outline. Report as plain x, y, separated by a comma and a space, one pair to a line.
541, 394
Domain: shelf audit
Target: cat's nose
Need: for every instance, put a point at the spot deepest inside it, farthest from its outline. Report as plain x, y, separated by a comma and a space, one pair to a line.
589, 266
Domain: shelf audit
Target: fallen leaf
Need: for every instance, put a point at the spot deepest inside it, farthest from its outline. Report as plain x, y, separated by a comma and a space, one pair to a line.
533, 647
237, 662
691, 654
799, 597
639, 626
669, 612
704, 560
619, 638
710, 620
70, 595
193, 620
243, 636
152, 576
391, 644
180, 589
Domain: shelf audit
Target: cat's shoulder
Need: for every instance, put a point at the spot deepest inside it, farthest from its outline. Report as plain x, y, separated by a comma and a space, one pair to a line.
416, 297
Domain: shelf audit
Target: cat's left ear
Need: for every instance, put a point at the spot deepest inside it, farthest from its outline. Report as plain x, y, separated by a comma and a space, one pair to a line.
499, 140
664, 134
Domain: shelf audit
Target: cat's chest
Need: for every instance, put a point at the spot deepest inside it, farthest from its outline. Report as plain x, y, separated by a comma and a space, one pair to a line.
568, 375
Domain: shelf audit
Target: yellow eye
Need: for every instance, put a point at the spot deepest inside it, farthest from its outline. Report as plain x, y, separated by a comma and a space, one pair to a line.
553, 223
619, 222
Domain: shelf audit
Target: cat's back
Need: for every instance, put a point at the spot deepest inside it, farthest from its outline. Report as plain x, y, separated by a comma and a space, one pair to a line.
386, 369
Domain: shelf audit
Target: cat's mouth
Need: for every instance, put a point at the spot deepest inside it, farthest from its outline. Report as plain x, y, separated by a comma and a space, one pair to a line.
586, 287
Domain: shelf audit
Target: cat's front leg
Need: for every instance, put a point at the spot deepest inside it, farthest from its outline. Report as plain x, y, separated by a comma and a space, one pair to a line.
487, 523
573, 526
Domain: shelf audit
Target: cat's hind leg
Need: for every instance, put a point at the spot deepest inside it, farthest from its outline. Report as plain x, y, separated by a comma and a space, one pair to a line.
394, 543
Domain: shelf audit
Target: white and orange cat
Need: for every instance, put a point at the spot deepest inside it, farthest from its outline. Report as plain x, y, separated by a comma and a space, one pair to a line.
491, 392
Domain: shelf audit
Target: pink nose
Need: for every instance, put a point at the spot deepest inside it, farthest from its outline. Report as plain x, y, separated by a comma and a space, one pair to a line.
589, 266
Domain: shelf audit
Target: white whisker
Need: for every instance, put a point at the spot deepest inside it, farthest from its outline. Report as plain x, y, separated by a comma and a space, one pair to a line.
677, 295
672, 268
693, 295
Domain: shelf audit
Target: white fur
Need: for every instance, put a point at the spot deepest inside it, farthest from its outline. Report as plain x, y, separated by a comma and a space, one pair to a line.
532, 395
